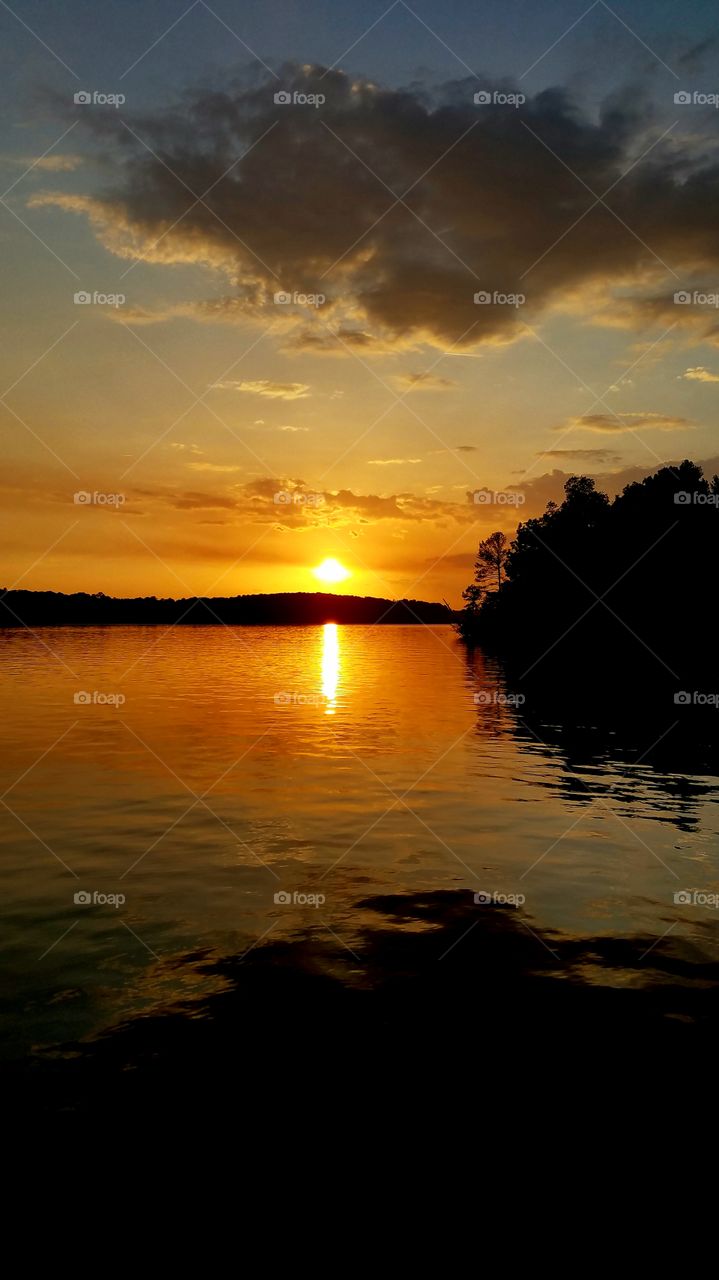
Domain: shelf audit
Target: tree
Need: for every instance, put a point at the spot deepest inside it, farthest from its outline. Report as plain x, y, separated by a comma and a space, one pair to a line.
472, 596
604, 592
491, 558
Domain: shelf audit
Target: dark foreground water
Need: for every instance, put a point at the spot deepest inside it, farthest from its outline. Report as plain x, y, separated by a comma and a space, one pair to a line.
220, 845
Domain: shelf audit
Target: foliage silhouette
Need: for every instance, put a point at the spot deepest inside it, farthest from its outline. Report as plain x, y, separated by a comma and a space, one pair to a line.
609, 591
50, 608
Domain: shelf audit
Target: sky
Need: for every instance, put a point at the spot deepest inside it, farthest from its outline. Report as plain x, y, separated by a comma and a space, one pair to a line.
284, 282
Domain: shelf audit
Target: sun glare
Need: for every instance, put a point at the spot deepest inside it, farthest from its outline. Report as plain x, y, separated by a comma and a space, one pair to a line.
330, 666
331, 571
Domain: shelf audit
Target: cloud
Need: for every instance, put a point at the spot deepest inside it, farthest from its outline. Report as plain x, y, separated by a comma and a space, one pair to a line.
51, 164
214, 466
586, 455
401, 506
424, 381
266, 426
185, 448
392, 462
201, 501
254, 501
455, 448
647, 309
337, 341
617, 424
265, 387
700, 374
306, 208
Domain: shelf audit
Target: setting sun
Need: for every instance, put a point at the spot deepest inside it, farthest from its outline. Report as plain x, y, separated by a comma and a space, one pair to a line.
331, 571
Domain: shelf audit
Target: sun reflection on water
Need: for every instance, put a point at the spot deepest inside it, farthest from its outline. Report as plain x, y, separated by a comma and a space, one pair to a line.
330, 665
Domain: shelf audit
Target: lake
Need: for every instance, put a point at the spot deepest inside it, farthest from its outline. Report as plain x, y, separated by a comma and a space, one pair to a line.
177, 801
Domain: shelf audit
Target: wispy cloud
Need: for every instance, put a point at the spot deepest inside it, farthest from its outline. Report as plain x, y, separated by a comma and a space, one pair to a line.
424, 381
215, 466
582, 455
699, 374
617, 424
266, 387
48, 164
255, 500
393, 462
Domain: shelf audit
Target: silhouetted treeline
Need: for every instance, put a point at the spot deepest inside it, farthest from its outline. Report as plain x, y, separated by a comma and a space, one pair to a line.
50, 608
600, 592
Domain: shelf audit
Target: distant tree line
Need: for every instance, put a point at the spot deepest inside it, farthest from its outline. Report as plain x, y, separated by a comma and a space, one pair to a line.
51, 608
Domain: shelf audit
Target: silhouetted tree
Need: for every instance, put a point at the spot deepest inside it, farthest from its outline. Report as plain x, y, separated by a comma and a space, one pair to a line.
491, 558
616, 590
472, 596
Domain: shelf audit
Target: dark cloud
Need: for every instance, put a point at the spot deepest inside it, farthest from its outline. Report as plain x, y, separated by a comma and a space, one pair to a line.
302, 199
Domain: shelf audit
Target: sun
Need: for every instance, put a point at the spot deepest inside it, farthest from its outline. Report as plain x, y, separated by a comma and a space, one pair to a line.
331, 571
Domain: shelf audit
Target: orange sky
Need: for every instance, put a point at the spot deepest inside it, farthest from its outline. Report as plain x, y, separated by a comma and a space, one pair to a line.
311, 362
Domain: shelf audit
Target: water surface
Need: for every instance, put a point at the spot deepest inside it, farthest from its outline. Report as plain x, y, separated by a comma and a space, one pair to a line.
195, 774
